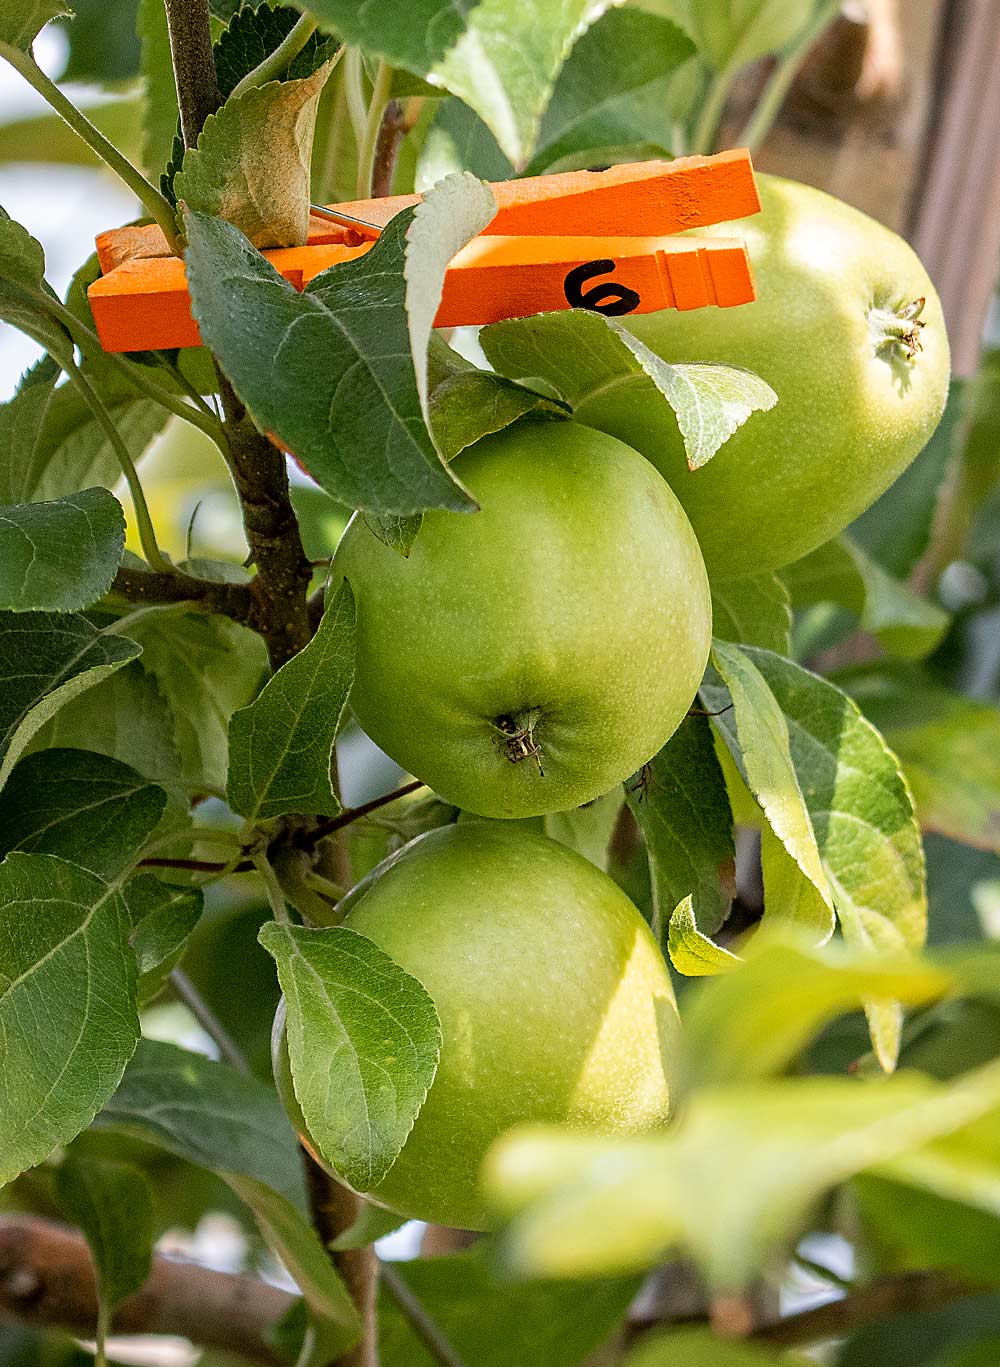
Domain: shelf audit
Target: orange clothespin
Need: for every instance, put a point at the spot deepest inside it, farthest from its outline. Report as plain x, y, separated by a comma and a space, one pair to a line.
603, 240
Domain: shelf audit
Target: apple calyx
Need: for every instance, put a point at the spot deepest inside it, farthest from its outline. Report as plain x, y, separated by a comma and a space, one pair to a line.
897, 331
516, 736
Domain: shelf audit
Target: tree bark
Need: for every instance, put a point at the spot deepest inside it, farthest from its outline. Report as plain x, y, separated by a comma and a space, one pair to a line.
47, 1282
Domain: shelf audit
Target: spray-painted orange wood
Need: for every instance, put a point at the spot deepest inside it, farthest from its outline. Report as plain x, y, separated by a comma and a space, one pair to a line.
640, 199
144, 303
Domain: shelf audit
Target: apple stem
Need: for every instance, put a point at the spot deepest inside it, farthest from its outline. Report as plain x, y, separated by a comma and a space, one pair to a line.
898, 330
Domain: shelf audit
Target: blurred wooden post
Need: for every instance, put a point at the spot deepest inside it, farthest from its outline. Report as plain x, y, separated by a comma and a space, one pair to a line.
955, 216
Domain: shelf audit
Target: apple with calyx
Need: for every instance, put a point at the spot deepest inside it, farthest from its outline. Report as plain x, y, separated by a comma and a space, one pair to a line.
527, 657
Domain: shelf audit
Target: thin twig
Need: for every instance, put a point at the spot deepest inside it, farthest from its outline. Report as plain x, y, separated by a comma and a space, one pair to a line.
173, 586
426, 1329
209, 1021
311, 839
144, 522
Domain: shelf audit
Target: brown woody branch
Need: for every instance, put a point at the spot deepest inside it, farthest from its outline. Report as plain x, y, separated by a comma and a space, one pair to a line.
150, 586
279, 611
392, 131
47, 1282
198, 94
334, 1209
894, 1295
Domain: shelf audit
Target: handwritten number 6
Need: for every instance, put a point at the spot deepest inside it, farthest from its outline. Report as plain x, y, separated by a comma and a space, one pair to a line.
609, 298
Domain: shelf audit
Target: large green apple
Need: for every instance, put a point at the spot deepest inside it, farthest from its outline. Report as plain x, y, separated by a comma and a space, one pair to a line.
554, 1000
848, 331
526, 658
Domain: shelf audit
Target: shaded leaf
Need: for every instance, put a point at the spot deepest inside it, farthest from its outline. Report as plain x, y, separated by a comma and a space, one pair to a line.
363, 1043
45, 660
280, 746
732, 35
46, 138
252, 161
501, 60
158, 921
81, 806
24, 295
356, 421
492, 1323
948, 745
680, 803
833, 793
588, 829
60, 556
235, 1126
67, 1005
582, 352
206, 667
159, 104
908, 626
253, 33
112, 1204
755, 611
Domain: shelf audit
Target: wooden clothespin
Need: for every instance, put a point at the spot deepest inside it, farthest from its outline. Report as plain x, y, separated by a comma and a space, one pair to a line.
602, 240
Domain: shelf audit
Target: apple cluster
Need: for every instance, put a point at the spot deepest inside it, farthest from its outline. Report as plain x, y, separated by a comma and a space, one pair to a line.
527, 658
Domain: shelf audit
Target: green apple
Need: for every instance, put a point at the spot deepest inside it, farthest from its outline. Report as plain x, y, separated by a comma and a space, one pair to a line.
527, 657
848, 331
554, 999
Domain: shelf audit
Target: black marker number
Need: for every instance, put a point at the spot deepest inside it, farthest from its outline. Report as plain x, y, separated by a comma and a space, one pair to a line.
608, 298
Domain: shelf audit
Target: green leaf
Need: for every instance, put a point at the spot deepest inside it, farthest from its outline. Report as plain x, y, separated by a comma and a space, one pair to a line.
699, 1348
617, 93
83, 807
206, 667
691, 951
449, 216
501, 60
103, 48
731, 1183
588, 829
112, 1204
680, 804
125, 717
280, 746
45, 660
208, 1114
253, 33
833, 793
54, 445
159, 104
492, 1323
60, 556
24, 295
948, 745
252, 162
67, 1005
363, 1043
22, 20
474, 403
755, 611
234, 1125
582, 352
731, 35
158, 920
373, 452
908, 1227
755, 1021
751, 720
908, 626
458, 140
